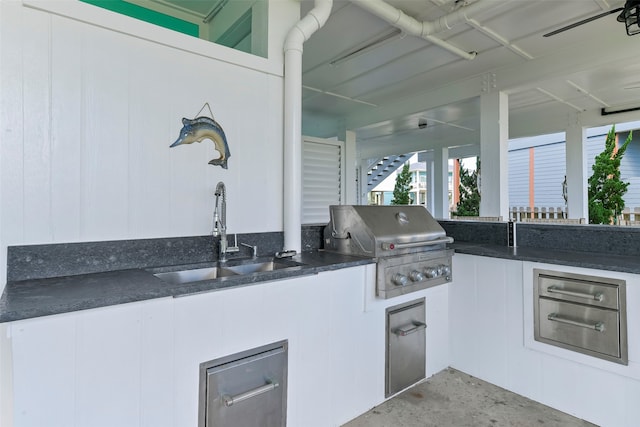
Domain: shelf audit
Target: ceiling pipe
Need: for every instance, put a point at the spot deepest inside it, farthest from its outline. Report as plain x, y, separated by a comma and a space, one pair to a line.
427, 29
300, 33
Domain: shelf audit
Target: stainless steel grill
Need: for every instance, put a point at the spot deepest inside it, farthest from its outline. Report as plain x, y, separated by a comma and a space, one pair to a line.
409, 244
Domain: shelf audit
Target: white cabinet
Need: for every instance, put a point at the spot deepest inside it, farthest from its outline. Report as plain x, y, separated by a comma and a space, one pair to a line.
137, 364
491, 323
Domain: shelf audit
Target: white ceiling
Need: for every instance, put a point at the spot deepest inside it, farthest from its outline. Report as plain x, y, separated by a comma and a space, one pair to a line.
385, 91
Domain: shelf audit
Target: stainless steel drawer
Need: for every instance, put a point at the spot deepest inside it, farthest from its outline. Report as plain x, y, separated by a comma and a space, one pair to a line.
246, 389
406, 345
577, 326
586, 314
598, 294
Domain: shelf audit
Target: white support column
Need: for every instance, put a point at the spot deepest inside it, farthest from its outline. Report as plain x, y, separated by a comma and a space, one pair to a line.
351, 167
431, 201
363, 177
494, 151
441, 183
577, 174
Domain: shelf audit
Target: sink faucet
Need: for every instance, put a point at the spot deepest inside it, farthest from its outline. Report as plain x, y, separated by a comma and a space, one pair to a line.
220, 222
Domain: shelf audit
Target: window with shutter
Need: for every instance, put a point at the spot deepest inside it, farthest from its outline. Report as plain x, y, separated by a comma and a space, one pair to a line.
322, 178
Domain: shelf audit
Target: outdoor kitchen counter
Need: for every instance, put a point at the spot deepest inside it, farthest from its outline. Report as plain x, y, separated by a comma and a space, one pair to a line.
596, 260
42, 297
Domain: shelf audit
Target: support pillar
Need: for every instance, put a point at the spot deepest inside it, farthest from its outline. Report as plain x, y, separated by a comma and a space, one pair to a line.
577, 174
494, 151
349, 175
441, 183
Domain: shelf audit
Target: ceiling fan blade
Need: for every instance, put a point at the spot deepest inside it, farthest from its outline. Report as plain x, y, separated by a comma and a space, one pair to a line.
584, 21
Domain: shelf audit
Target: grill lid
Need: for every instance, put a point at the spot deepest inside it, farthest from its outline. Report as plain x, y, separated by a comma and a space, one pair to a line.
382, 230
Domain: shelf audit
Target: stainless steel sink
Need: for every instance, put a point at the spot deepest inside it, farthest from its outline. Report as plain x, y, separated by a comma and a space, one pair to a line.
210, 273
257, 267
194, 275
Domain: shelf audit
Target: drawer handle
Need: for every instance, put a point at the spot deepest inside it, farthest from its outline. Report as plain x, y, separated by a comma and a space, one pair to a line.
598, 326
598, 296
409, 329
230, 400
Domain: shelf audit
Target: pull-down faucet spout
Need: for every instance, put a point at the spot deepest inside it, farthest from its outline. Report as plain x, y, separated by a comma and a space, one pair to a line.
220, 222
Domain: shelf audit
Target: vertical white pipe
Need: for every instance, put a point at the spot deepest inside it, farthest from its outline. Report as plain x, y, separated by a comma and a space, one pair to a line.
296, 37
293, 150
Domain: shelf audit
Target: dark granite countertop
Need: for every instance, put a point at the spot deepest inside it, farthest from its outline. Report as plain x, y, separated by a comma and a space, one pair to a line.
26, 299
600, 261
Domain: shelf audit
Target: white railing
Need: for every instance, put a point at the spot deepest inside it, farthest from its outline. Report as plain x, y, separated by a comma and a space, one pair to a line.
629, 216
525, 213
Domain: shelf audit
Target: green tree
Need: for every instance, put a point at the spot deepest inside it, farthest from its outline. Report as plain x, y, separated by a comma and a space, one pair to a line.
401, 192
606, 189
469, 204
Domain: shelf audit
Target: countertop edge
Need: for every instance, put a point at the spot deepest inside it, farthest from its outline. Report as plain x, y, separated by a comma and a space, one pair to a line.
29, 299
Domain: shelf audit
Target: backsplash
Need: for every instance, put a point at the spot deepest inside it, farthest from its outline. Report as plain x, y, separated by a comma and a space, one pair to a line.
65, 259
68, 259
490, 233
606, 239
610, 240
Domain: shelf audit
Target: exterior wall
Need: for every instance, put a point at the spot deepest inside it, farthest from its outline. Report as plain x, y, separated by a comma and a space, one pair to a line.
90, 103
519, 177
549, 170
87, 115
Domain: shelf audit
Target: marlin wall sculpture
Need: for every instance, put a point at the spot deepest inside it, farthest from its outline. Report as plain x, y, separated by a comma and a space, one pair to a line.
201, 128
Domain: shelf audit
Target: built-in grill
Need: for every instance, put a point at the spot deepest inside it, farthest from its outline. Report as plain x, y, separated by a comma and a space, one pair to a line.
409, 244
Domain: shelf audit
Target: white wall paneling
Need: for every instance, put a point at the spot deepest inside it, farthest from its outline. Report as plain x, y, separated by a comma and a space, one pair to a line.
87, 116
491, 329
45, 351
437, 313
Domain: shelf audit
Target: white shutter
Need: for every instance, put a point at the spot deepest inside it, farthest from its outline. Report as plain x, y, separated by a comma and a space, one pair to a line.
322, 183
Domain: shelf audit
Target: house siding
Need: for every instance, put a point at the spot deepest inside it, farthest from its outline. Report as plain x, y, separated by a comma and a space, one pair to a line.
550, 166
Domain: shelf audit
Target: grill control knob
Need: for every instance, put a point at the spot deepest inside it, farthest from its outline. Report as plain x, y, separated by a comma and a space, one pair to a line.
431, 272
416, 276
399, 279
444, 270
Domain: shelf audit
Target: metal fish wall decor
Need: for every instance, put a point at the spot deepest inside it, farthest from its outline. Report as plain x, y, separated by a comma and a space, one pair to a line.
201, 128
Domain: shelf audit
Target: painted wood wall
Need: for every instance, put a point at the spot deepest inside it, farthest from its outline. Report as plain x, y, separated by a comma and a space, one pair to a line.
491, 337
87, 115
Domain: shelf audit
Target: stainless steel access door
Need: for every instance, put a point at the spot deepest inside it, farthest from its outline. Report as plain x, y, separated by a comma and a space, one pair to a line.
406, 345
247, 389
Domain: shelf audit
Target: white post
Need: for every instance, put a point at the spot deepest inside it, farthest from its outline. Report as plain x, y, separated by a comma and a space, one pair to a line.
577, 174
494, 151
441, 183
351, 167
431, 185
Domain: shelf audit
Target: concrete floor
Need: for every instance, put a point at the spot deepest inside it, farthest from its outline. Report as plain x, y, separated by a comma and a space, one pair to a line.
453, 398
